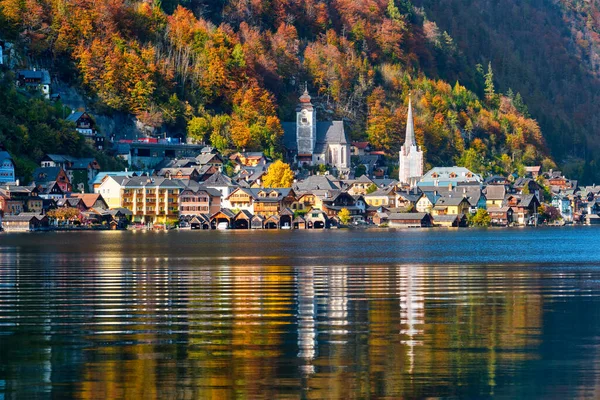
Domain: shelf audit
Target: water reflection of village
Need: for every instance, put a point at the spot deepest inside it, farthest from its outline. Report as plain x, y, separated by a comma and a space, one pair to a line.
164, 328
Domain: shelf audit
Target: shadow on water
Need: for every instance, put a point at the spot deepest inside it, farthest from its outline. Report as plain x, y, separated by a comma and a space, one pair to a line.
301, 315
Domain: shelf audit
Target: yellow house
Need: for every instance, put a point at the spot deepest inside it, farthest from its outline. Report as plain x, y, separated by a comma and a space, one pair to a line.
451, 206
382, 197
494, 195
151, 199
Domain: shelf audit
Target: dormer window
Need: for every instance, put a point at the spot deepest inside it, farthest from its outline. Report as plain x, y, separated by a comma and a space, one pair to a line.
452, 175
434, 175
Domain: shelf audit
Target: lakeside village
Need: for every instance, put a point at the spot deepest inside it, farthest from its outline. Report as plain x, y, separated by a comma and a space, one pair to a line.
185, 186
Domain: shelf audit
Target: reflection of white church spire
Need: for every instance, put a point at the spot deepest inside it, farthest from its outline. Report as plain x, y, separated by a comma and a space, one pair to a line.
412, 313
411, 156
307, 334
337, 307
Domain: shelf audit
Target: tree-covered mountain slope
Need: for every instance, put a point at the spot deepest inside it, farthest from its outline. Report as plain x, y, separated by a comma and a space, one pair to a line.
229, 71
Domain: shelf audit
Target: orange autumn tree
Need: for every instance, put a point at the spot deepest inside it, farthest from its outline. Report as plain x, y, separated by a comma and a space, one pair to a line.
254, 124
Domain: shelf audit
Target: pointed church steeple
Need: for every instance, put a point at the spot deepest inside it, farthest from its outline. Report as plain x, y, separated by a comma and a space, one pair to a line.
410, 127
411, 156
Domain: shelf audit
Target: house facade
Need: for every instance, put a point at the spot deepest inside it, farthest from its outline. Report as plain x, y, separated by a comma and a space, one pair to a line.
7, 167
151, 200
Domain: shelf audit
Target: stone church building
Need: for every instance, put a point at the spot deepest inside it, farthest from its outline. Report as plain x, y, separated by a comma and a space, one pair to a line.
411, 156
310, 142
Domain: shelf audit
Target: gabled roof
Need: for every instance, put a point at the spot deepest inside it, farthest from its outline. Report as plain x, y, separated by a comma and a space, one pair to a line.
4, 156
495, 192
42, 75
226, 211
84, 163
385, 191
360, 145
174, 171
59, 158
448, 217
46, 174
115, 174
244, 214
317, 182
137, 182
206, 158
74, 117
218, 179
89, 199
363, 179
450, 201
328, 132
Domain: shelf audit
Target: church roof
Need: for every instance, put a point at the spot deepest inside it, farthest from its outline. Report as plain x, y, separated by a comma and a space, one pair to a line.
410, 127
328, 132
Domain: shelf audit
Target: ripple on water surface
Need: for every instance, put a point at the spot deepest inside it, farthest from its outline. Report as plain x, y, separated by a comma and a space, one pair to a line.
383, 314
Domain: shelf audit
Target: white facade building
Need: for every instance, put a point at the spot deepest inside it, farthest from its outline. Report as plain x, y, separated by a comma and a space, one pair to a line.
411, 156
310, 142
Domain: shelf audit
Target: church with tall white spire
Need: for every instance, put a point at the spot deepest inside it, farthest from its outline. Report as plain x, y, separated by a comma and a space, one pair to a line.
411, 156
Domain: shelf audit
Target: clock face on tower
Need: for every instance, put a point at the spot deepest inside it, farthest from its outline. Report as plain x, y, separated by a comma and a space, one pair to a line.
304, 117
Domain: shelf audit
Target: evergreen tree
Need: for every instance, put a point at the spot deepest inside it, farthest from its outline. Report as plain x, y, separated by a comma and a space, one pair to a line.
490, 91
393, 11
520, 105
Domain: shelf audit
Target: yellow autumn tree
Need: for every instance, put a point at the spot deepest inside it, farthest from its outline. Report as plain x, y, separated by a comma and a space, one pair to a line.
279, 175
344, 216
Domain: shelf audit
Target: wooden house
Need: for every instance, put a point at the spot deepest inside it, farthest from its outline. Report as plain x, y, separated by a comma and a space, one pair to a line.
410, 220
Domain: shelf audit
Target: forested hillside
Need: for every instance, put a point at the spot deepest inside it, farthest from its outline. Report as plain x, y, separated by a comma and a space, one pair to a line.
230, 71
549, 52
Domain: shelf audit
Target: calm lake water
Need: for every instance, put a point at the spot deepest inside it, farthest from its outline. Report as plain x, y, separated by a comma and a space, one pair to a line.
509, 313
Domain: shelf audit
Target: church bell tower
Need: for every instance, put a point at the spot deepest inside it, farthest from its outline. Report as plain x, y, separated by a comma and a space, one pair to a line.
306, 128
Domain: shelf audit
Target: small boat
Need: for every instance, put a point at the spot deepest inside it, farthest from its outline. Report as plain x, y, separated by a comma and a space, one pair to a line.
286, 226
222, 225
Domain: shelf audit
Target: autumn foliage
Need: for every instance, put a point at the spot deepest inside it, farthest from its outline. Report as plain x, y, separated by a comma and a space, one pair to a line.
231, 74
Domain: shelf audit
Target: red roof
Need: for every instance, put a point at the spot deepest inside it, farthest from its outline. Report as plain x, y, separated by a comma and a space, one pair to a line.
360, 145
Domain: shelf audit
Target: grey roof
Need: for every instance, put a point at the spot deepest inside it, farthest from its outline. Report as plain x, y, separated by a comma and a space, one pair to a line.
43, 75
219, 179
495, 192
82, 163
406, 216
316, 182
75, 116
450, 201
244, 213
448, 217
46, 174
145, 181
328, 132
185, 171
363, 179
385, 182
205, 158
116, 174
60, 158
410, 196
23, 217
